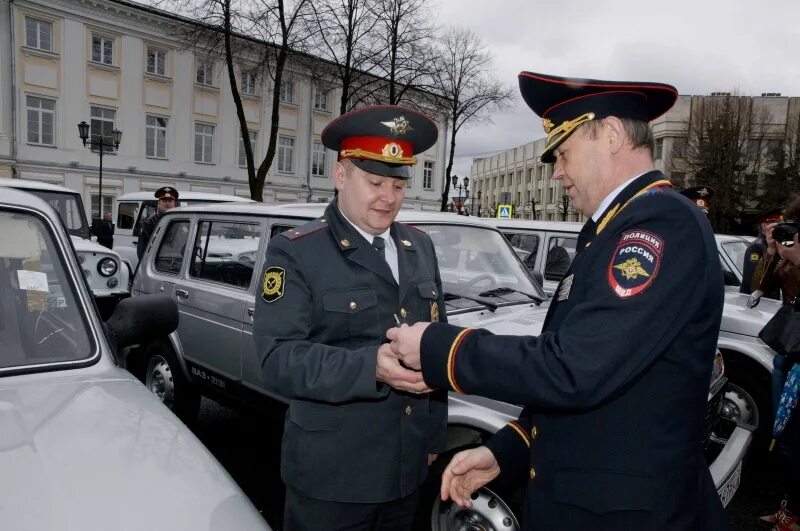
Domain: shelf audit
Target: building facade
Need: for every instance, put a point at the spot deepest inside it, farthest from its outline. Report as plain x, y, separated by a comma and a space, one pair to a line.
118, 65
517, 176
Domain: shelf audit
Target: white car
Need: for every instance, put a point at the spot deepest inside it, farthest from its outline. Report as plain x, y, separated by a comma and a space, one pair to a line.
106, 272
136, 207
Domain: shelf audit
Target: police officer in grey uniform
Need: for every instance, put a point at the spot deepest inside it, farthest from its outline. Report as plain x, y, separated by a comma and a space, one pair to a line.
167, 199
355, 450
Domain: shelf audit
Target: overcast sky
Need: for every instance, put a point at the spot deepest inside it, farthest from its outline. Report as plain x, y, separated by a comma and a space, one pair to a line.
699, 46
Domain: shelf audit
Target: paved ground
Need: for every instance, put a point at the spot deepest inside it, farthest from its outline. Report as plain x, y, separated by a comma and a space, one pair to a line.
248, 445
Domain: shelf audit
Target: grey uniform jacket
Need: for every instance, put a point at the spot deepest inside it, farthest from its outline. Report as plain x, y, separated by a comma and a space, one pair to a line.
327, 299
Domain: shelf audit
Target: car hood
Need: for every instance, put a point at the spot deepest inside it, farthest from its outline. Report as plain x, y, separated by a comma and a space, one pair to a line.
88, 246
521, 320
737, 318
104, 454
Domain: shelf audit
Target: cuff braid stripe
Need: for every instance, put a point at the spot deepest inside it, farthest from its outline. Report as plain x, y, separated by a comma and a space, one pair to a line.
451, 359
516, 427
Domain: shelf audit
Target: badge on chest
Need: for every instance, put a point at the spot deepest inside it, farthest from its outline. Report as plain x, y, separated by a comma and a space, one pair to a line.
635, 262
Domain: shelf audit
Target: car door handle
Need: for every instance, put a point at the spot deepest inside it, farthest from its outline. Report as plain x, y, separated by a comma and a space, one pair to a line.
182, 293
251, 312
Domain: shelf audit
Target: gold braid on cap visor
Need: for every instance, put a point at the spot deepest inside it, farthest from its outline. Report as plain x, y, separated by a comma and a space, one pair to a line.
555, 135
392, 154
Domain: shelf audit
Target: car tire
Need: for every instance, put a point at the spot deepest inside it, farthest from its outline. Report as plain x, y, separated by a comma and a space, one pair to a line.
490, 509
751, 387
164, 377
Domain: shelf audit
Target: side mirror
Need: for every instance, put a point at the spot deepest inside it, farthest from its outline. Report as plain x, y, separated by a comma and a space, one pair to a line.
142, 319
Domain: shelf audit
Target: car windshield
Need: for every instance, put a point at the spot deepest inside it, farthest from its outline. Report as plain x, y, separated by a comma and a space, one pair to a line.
41, 323
70, 207
479, 267
735, 251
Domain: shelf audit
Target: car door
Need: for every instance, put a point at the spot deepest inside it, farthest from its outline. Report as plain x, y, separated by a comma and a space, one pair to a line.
213, 293
251, 362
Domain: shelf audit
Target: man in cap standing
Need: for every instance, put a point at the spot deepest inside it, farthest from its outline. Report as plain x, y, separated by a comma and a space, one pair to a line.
700, 196
167, 199
355, 450
756, 250
628, 341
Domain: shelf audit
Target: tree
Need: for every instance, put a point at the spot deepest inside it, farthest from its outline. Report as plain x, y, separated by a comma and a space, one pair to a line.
565, 208
344, 36
786, 174
726, 151
468, 93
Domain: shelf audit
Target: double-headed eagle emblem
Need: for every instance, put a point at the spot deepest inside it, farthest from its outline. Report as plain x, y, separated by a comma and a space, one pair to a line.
631, 269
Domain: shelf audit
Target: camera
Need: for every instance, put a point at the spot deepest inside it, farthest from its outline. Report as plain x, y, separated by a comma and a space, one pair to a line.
784, 232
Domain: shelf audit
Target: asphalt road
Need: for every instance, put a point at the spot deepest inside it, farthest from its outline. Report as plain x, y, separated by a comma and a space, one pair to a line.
247, 443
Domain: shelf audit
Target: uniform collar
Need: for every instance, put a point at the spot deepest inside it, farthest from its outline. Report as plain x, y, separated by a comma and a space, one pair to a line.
610, 197
367, 236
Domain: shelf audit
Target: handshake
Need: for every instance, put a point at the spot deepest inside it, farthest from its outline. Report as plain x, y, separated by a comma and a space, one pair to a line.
398, 363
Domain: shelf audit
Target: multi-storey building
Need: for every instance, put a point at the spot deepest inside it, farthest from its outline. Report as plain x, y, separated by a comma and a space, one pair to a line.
517, 176
119, 65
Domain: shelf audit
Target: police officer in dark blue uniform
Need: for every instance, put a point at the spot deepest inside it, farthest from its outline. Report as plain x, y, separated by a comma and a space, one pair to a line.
167, 198
700, 196
355, 450
756, 250
615, 386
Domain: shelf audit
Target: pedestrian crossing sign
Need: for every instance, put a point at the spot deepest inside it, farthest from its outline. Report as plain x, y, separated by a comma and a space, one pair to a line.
505, 211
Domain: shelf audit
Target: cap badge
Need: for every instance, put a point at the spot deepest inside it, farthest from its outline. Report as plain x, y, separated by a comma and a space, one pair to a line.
702, 192
399, 126
392, 151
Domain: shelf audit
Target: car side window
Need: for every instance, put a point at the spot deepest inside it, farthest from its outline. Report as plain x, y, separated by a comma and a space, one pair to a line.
148, 209
225, 252
560, 253
126, 215
525, 245
169, 258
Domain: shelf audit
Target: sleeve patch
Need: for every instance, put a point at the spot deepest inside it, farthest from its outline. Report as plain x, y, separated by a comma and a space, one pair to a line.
755, 257
272, 284
635, 263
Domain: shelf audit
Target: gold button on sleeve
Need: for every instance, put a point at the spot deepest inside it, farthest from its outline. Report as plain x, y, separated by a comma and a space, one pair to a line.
353, 305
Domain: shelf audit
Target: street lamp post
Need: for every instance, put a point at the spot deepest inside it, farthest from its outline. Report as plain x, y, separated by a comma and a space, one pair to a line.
102, 144
480, 204
460, 188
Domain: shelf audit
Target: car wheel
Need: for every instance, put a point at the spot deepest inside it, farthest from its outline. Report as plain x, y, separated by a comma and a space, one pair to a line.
164, 378
489, 510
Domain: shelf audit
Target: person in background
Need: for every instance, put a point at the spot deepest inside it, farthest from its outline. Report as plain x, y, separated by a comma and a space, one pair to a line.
104, 230
167, 199
700, 196
756, 250
355, 450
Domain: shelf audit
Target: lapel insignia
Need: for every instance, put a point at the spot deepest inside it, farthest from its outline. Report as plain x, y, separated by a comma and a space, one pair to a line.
406, 243
345, 243
434, 312
272, 284
565, 287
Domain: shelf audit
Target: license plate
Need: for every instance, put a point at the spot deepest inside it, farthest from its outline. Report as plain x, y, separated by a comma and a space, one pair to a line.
728, 489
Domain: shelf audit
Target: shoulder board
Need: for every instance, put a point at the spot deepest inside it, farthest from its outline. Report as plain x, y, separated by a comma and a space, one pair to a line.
304, 230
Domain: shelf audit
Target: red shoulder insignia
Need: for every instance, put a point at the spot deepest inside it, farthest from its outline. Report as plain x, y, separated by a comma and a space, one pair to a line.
304, 230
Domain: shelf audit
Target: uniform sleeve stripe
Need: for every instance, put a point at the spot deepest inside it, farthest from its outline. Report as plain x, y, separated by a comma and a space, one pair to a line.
516, 427
451, 359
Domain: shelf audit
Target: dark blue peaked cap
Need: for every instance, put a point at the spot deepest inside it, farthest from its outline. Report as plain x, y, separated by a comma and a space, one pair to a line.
565, 103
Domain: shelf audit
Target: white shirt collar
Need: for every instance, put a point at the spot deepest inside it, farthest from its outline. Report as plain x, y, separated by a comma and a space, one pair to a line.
610, 197
386, 235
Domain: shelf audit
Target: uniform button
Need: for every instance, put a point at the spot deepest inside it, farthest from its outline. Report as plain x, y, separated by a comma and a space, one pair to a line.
403, 313
532, 473
534, 432
407, 410
353, 305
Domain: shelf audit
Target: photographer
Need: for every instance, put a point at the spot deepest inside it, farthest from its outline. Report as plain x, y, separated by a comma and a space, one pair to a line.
780, 268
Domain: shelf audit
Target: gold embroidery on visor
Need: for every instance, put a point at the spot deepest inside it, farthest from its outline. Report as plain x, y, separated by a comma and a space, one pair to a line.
556, 134
386, 156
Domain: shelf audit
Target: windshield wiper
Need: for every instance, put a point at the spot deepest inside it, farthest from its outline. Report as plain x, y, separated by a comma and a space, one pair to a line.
448, 296
505, 290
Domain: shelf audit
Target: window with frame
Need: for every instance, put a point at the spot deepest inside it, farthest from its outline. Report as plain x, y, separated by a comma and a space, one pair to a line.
320, 99
38, 34
101, 123
285, 154
560, 253
108, 205
318, 160
205, 73
525, 246
427, 175
242, 155
155, 137
126, 214
287, 91
248, 83
658, 152
41, 120
203, 143
102, 49
225, 252
169, 258
156, 61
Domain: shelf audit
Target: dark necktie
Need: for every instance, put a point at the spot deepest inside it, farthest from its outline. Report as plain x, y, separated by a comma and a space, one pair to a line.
380, 245
586, 234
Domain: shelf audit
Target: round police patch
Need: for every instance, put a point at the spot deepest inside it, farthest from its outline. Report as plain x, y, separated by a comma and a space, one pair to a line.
634, 264
272, 284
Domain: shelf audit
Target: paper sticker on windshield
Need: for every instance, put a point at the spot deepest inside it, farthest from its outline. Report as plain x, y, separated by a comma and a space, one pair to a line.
32, 280
635, 262
272, 284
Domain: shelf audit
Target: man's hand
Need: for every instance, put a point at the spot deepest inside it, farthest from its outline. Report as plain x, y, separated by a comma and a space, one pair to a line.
467, 472
389, 371
772, 245
754, 298
791, 252
405, 343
